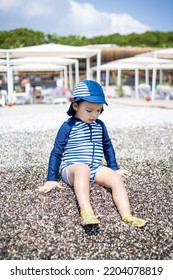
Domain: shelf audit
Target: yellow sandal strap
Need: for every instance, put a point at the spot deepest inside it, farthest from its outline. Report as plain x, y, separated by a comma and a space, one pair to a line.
134, 221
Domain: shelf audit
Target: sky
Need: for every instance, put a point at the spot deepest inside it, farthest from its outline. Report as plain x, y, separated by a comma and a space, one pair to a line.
87, 17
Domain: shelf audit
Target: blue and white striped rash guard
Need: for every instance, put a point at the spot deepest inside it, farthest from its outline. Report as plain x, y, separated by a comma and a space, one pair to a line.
77, 142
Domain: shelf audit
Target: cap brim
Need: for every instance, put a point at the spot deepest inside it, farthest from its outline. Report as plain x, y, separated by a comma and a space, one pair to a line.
92, 99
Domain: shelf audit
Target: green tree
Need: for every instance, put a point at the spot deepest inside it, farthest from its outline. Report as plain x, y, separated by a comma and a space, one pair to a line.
23, 37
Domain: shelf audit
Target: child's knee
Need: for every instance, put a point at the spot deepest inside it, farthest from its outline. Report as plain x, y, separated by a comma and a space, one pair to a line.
118, 177
115, 179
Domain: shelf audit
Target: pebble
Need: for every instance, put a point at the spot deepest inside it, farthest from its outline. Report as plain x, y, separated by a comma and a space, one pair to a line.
36, 226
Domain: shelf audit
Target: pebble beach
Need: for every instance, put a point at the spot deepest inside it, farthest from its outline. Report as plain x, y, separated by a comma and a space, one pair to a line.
37, 226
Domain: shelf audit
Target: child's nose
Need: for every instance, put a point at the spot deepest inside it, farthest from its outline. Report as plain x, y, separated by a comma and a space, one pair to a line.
94, 114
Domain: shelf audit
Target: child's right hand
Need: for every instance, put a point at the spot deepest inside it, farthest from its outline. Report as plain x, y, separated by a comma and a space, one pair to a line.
48, 186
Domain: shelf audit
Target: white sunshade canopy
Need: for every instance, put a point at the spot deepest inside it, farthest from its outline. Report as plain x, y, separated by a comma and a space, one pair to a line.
39, 61
162, 53
2, 61
114, 65
37, 67
53, 50
133, 62
3, 68
166, 53
54, 60
58, 50
41, 67
165, 66
141, 60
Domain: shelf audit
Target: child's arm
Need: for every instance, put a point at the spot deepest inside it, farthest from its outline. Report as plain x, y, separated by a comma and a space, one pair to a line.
57, 152
55, 159
48, 186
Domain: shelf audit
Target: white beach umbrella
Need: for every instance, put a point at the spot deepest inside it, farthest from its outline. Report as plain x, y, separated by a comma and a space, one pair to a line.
3, 68
57, 50
34, 67
51, 50
134, 63
2, 62
37, 67
166, 53
53, 60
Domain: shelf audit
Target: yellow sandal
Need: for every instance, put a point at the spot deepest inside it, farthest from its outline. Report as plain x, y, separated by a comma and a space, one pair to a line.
88, 218
134, 221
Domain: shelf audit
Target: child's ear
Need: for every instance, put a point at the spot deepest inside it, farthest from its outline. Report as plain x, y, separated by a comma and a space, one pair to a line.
75, 106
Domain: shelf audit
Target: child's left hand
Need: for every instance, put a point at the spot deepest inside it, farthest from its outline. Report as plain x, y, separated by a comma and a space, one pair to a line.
123, 173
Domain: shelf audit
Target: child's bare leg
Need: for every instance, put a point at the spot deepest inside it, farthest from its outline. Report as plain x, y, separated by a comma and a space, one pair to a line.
79, 177
109, 178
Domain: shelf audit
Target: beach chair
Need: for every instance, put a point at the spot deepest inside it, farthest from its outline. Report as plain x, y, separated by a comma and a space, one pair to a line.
37, 95
144, 90
3, 94
163, 92
110, 91
19, 98
127, 91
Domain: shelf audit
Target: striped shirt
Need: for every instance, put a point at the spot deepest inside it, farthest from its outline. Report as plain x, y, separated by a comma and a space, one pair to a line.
84, 144
78, 141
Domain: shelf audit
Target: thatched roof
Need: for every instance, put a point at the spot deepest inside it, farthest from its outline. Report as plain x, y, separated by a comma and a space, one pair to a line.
113, 52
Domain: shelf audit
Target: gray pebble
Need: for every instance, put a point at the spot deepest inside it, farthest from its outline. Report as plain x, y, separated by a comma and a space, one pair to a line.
36, 226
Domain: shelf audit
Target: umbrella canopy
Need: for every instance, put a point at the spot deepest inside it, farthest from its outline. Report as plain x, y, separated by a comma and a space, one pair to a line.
142, 60
2, 61
114, 65
136, 63
34, 67
166, 53
37, 67
3, 68
53, 50
132, 62
57, 60
162, 53
53, 60
57, 50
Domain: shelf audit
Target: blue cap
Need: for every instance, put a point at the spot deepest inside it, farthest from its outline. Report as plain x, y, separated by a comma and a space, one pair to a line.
87, 90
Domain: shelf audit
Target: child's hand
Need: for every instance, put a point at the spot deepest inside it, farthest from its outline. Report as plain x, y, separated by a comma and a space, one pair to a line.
48, 186
123, 173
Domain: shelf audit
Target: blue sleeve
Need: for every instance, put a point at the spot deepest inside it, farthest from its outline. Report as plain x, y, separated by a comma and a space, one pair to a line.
57, 152
108, 149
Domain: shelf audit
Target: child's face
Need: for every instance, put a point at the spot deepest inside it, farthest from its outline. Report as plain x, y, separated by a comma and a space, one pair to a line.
87, 112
